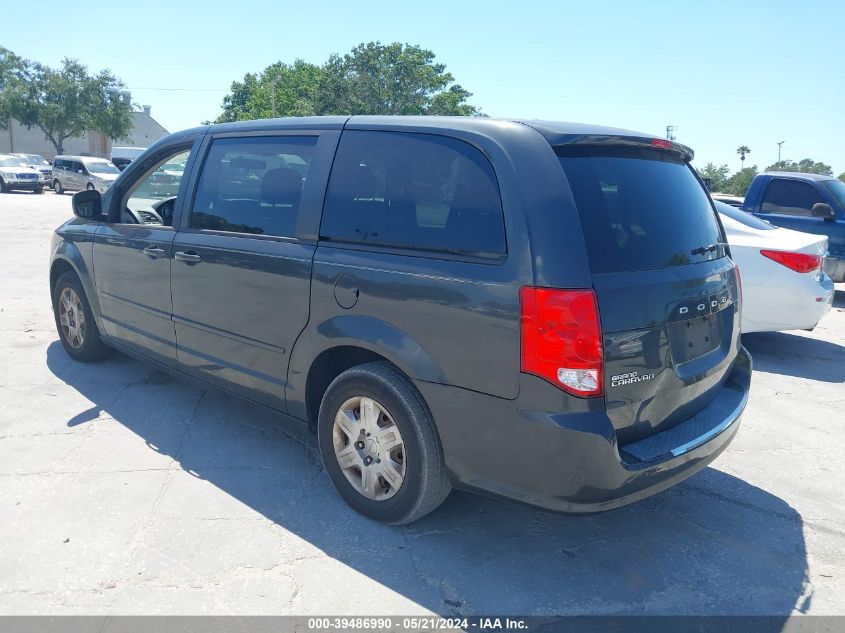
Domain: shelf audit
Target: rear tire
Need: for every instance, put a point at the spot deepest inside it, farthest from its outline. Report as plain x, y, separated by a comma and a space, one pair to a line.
75, 320
414, 452
57, 187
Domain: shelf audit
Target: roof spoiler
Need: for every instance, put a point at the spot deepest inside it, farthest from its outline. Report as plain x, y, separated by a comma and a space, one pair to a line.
640, 142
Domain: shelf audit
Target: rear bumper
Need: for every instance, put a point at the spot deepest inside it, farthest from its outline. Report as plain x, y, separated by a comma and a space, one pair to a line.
798, 306
570, 462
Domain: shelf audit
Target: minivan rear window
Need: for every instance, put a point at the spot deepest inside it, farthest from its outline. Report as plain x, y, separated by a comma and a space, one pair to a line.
640, 209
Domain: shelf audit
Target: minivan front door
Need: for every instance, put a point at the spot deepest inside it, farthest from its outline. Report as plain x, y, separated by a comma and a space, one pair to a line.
242, 259
132, 260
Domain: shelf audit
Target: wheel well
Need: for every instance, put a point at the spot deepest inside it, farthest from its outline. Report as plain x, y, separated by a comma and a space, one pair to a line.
328, 366
59, 268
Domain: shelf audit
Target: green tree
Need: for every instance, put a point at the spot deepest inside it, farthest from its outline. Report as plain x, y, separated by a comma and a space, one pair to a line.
842, 176
715, 177
805, 165
68, 101
11, 67
742, 150
372, 78
737, 185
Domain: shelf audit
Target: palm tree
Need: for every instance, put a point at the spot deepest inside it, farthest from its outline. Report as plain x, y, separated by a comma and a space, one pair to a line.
742, 150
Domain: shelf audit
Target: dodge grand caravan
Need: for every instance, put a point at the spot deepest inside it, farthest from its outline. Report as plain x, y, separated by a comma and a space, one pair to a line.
545, 312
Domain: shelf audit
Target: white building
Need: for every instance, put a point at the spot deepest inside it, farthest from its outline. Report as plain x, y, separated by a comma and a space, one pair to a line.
16, 138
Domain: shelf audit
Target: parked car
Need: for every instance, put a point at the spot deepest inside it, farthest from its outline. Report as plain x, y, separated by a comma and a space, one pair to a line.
803, 202
42, 165
783, 284
76, 173
122, 156
540, 311
734, 201
15, 173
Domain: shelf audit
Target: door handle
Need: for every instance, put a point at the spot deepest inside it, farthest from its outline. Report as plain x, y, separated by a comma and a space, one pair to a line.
154, 252
189, 257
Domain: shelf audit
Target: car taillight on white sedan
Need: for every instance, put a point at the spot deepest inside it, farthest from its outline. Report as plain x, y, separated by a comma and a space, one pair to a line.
799, 262
561, 338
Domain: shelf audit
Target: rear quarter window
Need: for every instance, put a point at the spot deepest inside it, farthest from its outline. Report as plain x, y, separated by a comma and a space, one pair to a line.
415, 191
790, 197
640, 209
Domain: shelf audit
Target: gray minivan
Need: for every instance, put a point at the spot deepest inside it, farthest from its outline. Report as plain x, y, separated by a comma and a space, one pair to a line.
78, 173
541, 311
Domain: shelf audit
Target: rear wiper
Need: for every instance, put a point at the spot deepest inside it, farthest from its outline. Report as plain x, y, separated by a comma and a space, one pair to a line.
707, 249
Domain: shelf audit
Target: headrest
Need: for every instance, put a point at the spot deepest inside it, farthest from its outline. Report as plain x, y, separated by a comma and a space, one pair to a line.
282, 185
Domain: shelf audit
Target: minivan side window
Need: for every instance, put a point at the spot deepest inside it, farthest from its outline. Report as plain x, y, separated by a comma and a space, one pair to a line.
418, 191
252, 185
790, 197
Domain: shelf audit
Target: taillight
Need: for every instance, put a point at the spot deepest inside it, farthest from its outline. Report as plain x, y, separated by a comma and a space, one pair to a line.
799, 262
561, 338
659, 142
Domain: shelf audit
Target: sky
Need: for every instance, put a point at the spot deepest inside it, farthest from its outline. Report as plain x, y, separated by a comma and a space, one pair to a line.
724, 73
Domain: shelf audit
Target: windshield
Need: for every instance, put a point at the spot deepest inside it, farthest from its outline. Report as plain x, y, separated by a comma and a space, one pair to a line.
34, 159
743, 217
12, 161
102, 168
837, 188
640, 209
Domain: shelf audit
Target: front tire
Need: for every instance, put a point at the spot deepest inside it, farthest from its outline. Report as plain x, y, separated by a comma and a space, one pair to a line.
38, 190
75, 320
3, 187
57, 187
380, 446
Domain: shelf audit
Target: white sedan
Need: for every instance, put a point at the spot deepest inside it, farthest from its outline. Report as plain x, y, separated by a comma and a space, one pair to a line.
783, 285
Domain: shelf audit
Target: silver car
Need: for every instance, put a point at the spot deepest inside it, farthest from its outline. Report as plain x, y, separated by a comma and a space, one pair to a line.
16, 174
76, 173
41, 164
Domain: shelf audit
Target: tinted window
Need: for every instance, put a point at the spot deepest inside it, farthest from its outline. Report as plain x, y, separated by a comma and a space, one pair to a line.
253, 185
743, 217
789, 197
415, 191
640, 209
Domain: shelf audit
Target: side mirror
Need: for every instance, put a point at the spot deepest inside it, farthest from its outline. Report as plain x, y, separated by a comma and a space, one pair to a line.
824, 211
87, 205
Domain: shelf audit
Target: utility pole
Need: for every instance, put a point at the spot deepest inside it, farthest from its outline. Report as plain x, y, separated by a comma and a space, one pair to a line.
779, 144
670, 132
273, 95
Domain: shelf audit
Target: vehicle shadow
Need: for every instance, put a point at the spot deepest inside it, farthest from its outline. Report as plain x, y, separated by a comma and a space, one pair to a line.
796, 355
712, 545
